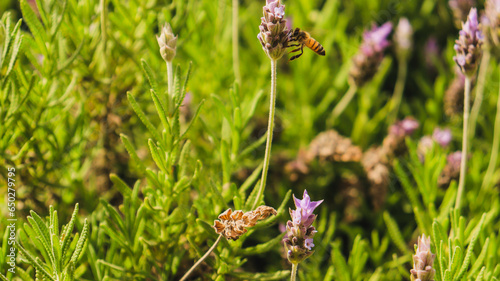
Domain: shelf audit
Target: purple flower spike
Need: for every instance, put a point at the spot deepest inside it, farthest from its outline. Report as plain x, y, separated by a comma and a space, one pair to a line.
299, 231
442, 136
375, 40
273, 34
370, 55
468, 45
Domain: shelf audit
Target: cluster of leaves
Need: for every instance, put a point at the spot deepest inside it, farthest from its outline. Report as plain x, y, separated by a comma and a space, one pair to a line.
59, 250
85, 113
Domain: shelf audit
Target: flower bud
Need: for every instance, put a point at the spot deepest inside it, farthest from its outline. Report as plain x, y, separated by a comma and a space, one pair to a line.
167, 42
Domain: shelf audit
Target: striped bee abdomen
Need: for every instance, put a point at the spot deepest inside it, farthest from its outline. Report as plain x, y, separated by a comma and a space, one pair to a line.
314, 45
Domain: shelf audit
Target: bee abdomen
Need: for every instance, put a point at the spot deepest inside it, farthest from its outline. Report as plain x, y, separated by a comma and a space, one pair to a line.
315, 46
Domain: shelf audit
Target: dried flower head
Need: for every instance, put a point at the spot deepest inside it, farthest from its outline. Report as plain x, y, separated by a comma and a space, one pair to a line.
233, 224
403, 38
167, 42
298, 240
468, 45
452, 169
332, 146
442, 136
370, 55
273, 33
423, 260
460, 9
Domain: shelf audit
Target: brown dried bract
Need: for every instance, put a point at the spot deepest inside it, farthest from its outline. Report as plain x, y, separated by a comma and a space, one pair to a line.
330, 145
233, 224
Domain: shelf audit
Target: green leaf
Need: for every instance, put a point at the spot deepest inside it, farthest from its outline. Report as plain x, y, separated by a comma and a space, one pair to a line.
195, 117
261, 248
142, 116
161, 110
131, 151
470, 249
395, 233
340, 264
67, 232
279, 275
124, 189
34, 262
80, 244
36, 27
150, 76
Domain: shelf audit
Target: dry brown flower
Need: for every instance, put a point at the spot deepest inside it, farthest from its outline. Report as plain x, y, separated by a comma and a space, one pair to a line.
233, 224
330, 145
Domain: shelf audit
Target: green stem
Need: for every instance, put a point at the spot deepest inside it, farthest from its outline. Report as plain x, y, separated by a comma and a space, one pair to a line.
236, 58
346, 99
270, 128
398, 91
201, 259
463, 162
481, 81
494, 148
170, 75
294, 271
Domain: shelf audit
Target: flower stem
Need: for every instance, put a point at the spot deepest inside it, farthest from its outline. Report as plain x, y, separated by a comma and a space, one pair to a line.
346, 99
398, 90
494, 148
463, 162
481, 80
270, 128
294, 271
170, 75
201, 259
236, 58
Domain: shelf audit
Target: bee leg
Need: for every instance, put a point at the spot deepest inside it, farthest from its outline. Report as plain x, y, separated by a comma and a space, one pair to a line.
296, 50
297, 56
294, 45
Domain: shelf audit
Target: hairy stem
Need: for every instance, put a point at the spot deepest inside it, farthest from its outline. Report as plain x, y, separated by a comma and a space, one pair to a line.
481, 80
236, 57
294, 271
398, 91
463, 162
170, 75
201, 259
494, 148
270, 128
346, 99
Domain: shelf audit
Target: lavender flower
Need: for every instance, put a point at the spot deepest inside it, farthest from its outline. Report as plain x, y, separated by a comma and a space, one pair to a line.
273, 30
422, 261
167, 42
405, 127
454, 159
442, 136
403, 38
460, 9
299, 237
468, 45
370, 55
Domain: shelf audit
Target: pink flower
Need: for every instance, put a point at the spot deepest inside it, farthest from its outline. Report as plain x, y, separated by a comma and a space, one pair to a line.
442, 136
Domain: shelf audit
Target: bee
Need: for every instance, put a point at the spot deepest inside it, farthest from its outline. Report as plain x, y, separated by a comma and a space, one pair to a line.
303, 38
